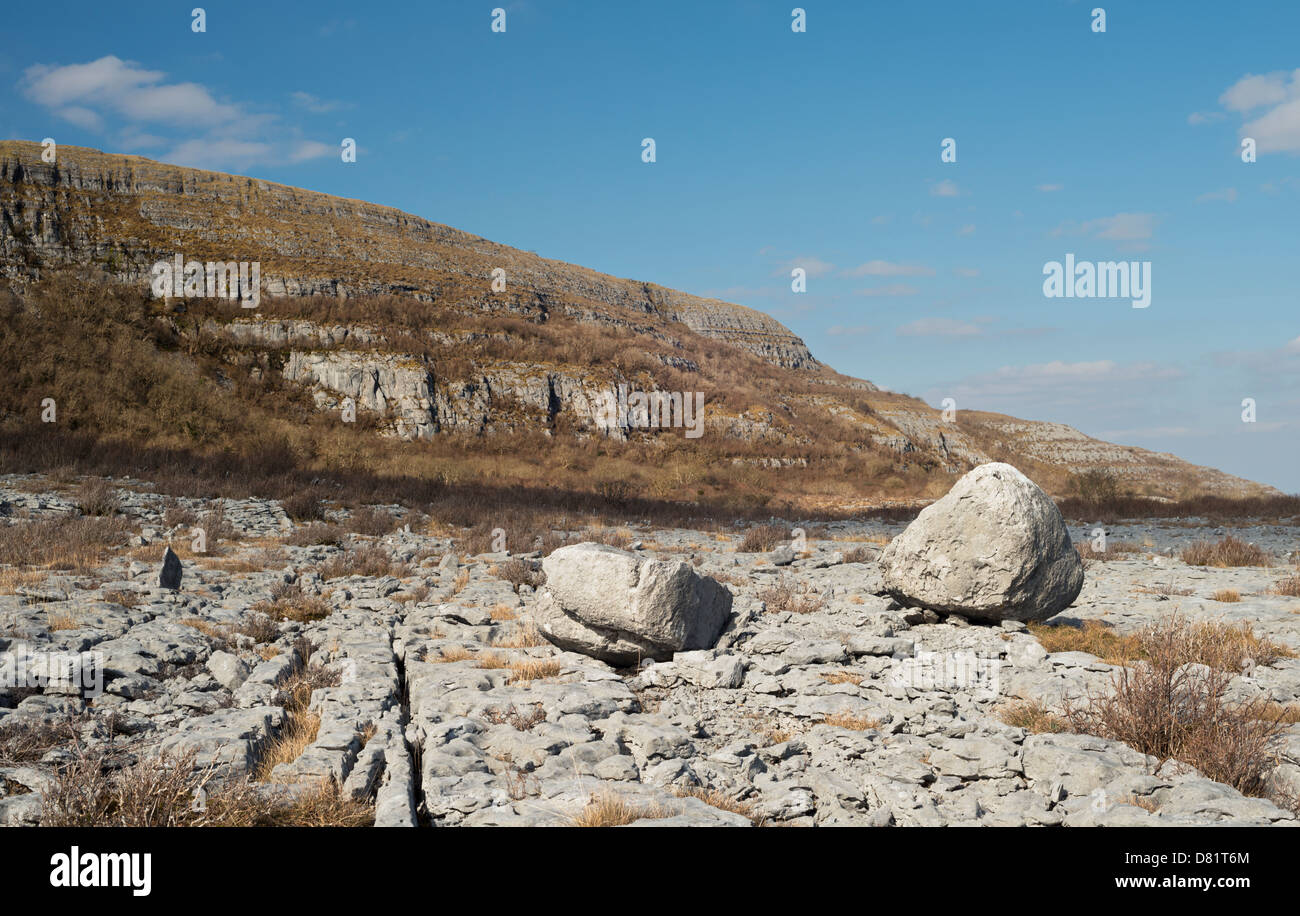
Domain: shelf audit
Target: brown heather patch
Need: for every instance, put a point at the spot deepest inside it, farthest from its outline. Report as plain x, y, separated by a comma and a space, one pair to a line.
78, 544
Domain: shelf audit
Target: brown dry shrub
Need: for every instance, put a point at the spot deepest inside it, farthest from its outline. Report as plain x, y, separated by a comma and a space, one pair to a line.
763, 538
1170, 709
786, 594
1228, 551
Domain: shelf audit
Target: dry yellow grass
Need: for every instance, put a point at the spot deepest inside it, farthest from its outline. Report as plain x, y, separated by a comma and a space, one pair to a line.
462, 580
61, 620
609, 809
299, 730
533, 669
524, 636
842, 677
1226, 595
451, 654
850, 721
503, 612
493, 661
1094, 637
1033, 716
723, 802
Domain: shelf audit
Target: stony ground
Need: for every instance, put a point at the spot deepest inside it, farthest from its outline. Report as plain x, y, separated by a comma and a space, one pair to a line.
447, 707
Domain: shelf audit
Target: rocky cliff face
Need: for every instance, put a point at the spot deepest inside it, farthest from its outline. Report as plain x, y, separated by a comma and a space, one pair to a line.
121, 214
124, 213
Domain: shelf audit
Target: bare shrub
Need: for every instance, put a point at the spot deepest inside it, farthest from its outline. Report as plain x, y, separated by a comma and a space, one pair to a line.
518, 572
371, 522
1229, 551
97, 497
314, 534
1170, 709
369, 560
786, 594
763, 538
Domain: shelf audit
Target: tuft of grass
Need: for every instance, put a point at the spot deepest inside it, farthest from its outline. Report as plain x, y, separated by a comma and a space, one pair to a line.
609, 809
61, 620
723, 802
451, 654
288, 602
842, 677
170, 792
524, 636
1033, 716
1228, 551
1226, 595
533, 669
1094, 637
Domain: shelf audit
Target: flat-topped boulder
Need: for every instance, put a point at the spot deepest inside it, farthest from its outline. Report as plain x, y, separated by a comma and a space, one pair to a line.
621, 608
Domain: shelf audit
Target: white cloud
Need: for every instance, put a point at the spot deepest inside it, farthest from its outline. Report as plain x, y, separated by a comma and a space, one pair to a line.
889, 269
1276, 129
945, 188
315, 104
124, 96
1252, 91
939, 327
1122, 227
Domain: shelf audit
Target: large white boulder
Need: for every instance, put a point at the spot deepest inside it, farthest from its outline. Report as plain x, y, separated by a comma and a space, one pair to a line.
995, 548
619, 607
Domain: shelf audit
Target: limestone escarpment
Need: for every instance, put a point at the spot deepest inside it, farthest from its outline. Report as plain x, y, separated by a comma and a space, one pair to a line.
465, 358
125, 212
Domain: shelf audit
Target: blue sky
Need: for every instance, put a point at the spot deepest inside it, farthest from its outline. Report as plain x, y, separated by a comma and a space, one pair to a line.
776, 150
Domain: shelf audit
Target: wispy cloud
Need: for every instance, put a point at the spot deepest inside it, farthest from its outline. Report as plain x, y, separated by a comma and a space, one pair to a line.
1122, 227
1227, 195
945, 188
120, 97
889, 269
940, 327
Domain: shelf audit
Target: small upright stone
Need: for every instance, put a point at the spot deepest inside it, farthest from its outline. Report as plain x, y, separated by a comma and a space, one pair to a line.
169, 576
